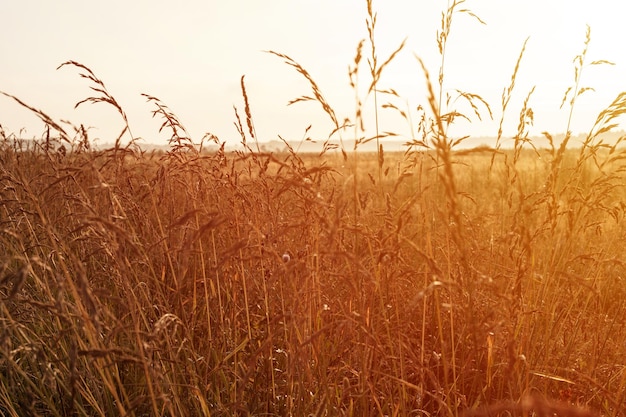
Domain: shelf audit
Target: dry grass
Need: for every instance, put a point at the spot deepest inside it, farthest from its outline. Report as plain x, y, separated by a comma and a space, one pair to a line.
437, 281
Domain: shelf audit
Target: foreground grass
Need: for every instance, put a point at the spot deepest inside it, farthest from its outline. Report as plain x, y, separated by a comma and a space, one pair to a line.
243, 283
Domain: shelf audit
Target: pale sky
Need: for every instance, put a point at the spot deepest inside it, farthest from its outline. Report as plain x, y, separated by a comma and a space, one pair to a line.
192, 54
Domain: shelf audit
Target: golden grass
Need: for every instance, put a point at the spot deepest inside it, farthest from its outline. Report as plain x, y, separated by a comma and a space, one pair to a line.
436, 281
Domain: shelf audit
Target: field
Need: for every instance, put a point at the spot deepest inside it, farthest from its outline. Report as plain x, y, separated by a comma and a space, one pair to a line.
438, 281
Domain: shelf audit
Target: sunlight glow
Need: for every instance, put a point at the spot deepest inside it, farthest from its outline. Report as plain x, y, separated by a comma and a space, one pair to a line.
192, 56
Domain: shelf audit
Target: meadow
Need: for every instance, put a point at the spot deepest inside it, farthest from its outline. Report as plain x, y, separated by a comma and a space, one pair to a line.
438, 281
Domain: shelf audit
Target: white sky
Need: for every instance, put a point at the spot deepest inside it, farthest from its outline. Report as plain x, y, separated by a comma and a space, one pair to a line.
192, 54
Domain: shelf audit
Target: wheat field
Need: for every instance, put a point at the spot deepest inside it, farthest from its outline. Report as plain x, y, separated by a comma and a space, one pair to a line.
197, 281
